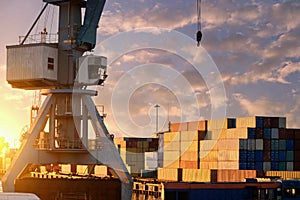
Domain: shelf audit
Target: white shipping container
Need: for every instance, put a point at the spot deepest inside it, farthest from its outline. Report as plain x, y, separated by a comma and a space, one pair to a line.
151, 160
251, 144
274, 133
259, 144
228, 155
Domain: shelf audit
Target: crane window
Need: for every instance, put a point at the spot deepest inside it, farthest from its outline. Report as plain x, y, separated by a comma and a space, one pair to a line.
50, 63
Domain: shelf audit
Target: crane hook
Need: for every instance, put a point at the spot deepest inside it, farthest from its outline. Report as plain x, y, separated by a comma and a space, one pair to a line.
199, 37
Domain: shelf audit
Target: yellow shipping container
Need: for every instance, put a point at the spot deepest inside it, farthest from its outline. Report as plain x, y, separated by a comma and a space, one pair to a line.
171, 136
189, 146
229, 144
171, 163
284, 174
208, 165
228, 155
189, 136
172, 146
217, 124
208, 156
249, 122
167, 174
234, 133
208, 145
196, 175
171, 155
228, 165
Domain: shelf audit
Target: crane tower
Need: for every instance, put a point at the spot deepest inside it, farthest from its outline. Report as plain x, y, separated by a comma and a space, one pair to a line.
59, 134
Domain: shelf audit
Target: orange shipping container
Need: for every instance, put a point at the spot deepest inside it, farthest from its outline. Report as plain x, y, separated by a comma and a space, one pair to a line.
234, 133
229, 144
188, 164
228, 155
171, 136
198, 125
208, 156
228, 165
179, 127
284, 174
189, 146
235, 175
189, 136
208, 165
189, 156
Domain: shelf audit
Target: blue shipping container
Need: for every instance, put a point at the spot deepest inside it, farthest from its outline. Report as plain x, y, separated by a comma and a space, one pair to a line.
274, 156
243, 165
267, 133
243, 155
282, 155
251, 133
259, 122
274, 145
250, 165
274, 166
259, 165
259, 156
251, 156
290, 145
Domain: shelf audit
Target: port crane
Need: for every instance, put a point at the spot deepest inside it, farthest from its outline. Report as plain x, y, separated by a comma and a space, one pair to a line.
60, 131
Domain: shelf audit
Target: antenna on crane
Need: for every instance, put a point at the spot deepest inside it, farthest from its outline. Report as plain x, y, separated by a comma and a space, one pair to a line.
199, 33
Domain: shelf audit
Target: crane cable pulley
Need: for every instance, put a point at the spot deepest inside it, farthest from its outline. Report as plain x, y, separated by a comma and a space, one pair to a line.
199, 33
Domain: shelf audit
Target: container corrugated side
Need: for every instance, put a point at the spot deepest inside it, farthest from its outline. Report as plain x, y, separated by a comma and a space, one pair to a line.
171, 136
197, 125
235, 175
189, 146
228, 165
189, 156
246, 122
196, 175
217, 124
228, 155
229, 144
186, 164
284, 174
208, 165
189, 136
172, 146
208, 156
208, 145
167, 174
234, 133
216, 134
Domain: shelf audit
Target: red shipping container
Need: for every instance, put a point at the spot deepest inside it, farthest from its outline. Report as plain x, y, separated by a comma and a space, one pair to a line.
281, 133
297, 156
267, 145
296, 166
258, 133
289, 134
271, 122
297, 145
297, 133
267, 156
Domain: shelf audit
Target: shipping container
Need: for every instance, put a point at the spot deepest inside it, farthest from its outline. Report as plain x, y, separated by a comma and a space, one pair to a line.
259, 133
289, 134
282, 156
217, 124
228, 155
297, 133
297, 156
208, 156
297, 145
282, 122
189, 146
216, 134
208, 165
251, 165
188, 164
274, 145
289, 155
259, 144
171, 164
241, 133
251, 144
243, 144
169, 174
289, 166
259, 156
274, 133
234, 175
266, 133
246, 122
188, 136
196, 175
171, 136
282, 144
243, 166
229, 144
282, 166
190, 156
290, 145
177, 127
228, 165
172, 146
267, 144
197, 126
286, 175
151, 160
267, 156
251, 133
274, 166
208, 145
250, 156
274, 156
243, 156
267, 166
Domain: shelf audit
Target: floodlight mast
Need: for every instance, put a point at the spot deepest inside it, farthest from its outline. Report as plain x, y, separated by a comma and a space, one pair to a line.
68, 107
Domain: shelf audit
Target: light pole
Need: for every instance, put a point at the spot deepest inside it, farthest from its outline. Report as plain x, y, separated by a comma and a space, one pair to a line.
156, 106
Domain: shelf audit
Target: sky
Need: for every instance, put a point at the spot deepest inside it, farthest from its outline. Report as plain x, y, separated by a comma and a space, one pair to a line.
248, 62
